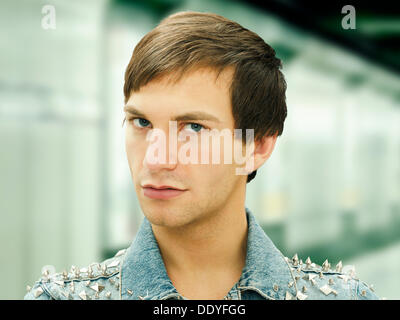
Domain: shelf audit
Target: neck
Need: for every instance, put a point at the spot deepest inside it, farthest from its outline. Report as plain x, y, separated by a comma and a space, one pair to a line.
206, 250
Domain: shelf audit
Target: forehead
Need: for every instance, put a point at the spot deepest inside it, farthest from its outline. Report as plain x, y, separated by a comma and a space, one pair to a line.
198, 90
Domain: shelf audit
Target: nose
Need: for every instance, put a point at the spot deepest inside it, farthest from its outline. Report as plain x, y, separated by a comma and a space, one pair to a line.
161, 152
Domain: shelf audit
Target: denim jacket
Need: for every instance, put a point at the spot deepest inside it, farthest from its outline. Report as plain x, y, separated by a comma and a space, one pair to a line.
139, 273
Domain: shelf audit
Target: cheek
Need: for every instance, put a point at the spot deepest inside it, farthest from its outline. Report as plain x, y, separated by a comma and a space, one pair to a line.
135, 150
218, 155
206, 179
215, 172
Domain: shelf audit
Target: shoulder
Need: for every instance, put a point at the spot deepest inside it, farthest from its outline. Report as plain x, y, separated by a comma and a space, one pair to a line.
315, 282
95, 281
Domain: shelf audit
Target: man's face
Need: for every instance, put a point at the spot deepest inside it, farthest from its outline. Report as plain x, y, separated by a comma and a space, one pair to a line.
208, 187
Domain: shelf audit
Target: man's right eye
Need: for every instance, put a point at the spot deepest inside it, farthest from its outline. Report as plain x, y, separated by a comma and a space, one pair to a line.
140, 122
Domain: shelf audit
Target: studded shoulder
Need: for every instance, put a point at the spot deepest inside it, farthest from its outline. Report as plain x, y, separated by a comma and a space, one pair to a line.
364, 291
96, 281
315, 282
37, 292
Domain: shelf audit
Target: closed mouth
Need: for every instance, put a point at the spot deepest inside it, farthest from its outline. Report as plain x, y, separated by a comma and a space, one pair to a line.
161, 187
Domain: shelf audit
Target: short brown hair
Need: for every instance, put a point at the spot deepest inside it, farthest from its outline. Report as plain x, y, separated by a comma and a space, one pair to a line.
188, 40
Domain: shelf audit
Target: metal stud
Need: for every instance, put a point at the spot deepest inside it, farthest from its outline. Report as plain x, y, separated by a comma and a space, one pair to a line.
310, 276
326, 289
104, 270
96, 287
83, 295
363, 293
301, 296
295, 260
330, 281
90, 272
339, 266
77, 273
308, 262
45, 276
65, 275
115, 263
276, 288
120, 252
38, 292
290, 284
326, 265
288, 296
45, 273
130, 292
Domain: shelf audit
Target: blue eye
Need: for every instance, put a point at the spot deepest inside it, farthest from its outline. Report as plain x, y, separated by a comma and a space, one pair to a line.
140, 122
195, 126
143, 123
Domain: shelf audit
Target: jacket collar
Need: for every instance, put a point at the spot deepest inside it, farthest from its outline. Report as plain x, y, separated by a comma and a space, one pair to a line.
266, 270
144, 276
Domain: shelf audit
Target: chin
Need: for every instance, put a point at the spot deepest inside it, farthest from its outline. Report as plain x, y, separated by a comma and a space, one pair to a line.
161, 215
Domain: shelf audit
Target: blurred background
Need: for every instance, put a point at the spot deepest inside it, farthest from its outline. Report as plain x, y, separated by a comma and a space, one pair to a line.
331, 189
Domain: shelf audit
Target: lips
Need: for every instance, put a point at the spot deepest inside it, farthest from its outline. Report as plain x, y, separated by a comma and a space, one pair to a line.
161, 187
161, 192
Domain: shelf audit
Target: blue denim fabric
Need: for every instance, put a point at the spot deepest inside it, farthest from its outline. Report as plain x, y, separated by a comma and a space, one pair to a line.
141, 274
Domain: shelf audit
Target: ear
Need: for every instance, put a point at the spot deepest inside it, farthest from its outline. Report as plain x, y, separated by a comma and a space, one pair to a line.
263, 150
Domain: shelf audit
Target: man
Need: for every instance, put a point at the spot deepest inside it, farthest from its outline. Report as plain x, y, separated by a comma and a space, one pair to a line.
195, 73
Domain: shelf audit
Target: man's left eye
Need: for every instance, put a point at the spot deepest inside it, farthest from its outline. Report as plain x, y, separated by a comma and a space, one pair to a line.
195, 126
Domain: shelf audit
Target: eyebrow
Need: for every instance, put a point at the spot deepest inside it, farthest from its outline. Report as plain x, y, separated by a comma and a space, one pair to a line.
197, 115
